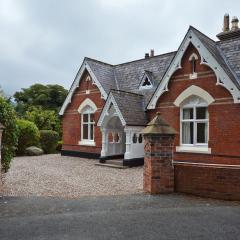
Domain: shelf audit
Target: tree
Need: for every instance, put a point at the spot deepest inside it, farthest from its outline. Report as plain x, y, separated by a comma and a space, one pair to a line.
44, 119
10, 134
49, 97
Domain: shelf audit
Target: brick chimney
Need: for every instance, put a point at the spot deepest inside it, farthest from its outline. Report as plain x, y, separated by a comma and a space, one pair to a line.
227, 34
226, 23
152, 53
146, 55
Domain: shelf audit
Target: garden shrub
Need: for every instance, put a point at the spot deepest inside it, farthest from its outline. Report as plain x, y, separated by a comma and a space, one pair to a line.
28, 135
49, 140
59, 146
10, 133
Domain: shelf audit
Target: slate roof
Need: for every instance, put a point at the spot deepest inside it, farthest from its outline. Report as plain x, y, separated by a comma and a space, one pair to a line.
134, 113
218, 54
231, 50
127, 76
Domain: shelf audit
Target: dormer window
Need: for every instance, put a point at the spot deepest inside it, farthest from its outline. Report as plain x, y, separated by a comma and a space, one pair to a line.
193, 60
146, 82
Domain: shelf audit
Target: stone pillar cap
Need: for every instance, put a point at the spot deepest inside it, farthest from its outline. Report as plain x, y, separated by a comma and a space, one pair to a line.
158, 126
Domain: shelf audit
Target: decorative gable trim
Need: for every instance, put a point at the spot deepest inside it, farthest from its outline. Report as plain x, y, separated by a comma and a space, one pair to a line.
87, 102
85, 66
206, 58
194, 90
105, 112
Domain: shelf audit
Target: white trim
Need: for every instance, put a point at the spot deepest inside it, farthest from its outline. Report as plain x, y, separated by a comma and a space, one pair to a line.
87, 143
193, 149
193, 90
76, 83
87, 102
206, 58
193, 55
105, 113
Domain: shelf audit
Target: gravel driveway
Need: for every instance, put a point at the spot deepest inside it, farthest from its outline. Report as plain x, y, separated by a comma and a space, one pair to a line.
68, 177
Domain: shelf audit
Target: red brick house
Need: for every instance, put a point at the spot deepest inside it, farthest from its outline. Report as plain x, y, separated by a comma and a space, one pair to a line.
196, 89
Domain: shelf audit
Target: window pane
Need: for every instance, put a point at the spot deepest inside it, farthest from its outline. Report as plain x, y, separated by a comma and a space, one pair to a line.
140, 138
188, 113
85, 131
187, 132
85, 117
201, 113
91, 131
201, 132
91, 117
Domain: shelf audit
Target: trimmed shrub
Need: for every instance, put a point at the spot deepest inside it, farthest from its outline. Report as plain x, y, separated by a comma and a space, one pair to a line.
10, 133
28, 135
59, 146
49, 140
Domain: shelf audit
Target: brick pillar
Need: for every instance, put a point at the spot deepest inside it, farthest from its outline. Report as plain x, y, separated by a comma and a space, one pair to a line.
158, 147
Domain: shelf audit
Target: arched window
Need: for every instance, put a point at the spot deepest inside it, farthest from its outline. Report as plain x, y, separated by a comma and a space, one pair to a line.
194, 122
87, 124
87, 109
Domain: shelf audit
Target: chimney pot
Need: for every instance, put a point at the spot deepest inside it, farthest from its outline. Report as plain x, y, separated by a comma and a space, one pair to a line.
152, 53
146, 55
235, 22
226, 23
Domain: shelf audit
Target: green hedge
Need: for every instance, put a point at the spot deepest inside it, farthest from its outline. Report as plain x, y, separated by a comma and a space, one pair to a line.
28, 135
10, 134
49, 140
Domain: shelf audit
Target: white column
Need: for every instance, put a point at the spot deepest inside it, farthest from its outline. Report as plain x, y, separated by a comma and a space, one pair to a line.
104, 142
127, 154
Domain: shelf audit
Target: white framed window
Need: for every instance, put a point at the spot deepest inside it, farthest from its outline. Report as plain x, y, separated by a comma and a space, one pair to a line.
194, 125
87, 110
193, 59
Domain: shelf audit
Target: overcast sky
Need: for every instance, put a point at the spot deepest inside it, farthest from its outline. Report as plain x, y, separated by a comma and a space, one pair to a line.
45, 41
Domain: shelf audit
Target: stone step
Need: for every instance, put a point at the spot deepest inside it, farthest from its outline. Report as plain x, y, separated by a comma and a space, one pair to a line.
111, 165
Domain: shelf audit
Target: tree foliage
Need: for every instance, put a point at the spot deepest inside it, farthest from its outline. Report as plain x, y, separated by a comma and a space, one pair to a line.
44, 119
10, 134
49, 97
28, 135
49, 141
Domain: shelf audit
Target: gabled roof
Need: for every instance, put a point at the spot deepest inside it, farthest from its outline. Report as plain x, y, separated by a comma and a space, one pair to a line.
211, 55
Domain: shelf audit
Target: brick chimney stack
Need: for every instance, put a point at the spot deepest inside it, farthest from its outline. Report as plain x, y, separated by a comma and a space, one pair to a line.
226, 23
228, 33
146, 55
152, 53
235, 22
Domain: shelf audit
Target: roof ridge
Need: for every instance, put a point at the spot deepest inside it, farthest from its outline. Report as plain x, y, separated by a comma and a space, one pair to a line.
95, 60
142, 59
191, 27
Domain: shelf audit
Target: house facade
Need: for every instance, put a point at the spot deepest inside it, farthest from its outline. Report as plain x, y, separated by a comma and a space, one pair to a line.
196, 89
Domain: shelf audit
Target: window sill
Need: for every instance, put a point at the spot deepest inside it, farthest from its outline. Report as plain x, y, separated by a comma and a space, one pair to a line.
193, 149
87, 143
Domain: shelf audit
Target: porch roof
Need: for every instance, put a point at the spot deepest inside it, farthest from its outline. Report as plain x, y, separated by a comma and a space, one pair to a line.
131, 105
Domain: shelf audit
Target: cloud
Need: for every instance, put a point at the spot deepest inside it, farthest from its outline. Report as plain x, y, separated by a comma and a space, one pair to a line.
46, 41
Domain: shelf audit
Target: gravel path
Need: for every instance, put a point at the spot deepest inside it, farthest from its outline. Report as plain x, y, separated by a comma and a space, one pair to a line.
68, 177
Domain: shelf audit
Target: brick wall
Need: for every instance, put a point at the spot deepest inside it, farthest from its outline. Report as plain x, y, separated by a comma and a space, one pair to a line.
210, 181
71, 119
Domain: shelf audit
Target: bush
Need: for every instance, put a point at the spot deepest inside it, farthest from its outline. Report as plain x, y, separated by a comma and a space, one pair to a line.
49, 140
10, 134
28, 135
59, 146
